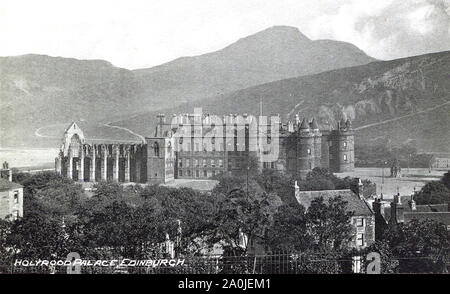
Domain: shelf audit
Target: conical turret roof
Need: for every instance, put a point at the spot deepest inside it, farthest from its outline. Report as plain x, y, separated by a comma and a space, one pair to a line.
304, 125
314, 124
348, 124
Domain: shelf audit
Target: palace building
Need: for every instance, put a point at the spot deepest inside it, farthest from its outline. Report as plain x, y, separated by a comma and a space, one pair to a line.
197, 146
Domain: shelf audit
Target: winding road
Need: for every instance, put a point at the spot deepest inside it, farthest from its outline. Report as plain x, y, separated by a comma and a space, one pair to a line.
400, 117
108, 124
38, 132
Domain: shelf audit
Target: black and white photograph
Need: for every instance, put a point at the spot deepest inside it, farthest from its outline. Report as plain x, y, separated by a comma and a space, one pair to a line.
224, 138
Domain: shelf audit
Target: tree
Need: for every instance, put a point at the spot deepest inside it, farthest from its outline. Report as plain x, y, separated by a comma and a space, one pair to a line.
272, 181
446, 180
329, 223
433, 193
289, 229
61, 197
239, 212
37, 236
421, 246
389, 263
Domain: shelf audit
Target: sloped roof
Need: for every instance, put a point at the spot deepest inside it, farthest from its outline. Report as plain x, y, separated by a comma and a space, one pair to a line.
304, 125
6, 185
432, 208
354, 203
314, 124
101, 133
442, 217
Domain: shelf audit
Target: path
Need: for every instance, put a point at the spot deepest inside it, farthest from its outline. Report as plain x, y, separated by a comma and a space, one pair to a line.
401, 117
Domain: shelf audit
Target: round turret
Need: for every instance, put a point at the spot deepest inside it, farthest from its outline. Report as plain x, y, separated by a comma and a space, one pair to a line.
305, 149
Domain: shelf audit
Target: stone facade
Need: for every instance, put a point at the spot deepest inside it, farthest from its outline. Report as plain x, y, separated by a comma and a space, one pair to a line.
193, 146
362, 221
92, 160
11, 200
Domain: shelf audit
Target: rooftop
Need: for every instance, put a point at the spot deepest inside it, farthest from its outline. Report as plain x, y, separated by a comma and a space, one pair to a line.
6, 185
442, 217
354, 203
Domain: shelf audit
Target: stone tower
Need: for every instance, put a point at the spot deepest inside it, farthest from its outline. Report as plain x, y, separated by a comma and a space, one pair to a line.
160, 154
342, 154
305, 149
317, 143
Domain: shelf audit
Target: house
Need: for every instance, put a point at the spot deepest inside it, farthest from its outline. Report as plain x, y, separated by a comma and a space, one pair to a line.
363, 219
11, 196
404, 209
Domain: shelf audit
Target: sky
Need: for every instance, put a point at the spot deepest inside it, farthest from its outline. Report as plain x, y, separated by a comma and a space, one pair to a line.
144, 33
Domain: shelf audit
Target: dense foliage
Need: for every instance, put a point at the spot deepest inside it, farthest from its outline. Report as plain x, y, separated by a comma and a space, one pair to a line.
435, 192
134, 221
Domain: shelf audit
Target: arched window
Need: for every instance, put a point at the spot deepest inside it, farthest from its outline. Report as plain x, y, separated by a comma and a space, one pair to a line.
75, 145
156, 148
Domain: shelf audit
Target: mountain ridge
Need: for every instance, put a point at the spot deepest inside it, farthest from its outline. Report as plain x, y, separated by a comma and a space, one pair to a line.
368, 94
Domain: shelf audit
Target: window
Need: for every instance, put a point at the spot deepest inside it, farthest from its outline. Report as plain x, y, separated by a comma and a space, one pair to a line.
156, 148
180, 173
188, 161
197, 173
213, 163
359, 239
213, 173
345, 157
204, 163
180, 163
309, 151
359, 222
189, 172
16, 197
196, 162
205, 173
272, 165
345, 144
220, 163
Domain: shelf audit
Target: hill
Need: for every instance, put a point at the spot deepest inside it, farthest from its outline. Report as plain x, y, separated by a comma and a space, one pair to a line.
276, 53
404, 101
39, 92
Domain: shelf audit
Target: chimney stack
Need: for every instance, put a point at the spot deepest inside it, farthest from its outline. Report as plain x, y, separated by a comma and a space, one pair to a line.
296, 192
6, 172
413, 203
358, 187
